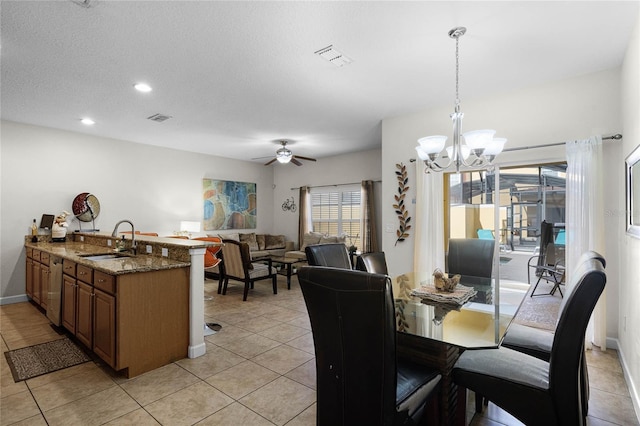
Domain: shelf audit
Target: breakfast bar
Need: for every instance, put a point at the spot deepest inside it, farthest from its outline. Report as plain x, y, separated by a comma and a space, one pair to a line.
135, 309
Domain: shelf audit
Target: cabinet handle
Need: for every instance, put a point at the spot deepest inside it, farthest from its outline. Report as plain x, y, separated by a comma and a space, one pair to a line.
83, 273
100, 280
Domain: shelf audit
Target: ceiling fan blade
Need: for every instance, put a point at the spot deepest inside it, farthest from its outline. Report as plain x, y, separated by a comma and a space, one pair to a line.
262, 158
270, 162
296, 162
300, 157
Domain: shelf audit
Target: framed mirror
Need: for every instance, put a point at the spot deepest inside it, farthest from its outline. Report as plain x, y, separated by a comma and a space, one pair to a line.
632, 164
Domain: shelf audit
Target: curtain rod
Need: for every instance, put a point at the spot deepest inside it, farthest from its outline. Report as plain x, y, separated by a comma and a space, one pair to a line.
338, 184
617, 136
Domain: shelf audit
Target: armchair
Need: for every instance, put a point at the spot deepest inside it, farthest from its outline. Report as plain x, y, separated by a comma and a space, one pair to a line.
237, 265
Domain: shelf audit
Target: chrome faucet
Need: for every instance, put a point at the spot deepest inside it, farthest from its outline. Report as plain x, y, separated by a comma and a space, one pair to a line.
133, 233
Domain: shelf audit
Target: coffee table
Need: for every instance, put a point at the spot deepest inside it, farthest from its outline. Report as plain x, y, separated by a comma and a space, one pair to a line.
287, 264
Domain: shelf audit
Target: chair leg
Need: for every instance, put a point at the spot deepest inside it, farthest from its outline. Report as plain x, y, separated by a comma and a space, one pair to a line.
220, 282
247, 284
274, 279
226, 283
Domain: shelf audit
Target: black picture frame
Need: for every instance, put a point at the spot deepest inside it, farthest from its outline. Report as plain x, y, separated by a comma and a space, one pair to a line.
632, 165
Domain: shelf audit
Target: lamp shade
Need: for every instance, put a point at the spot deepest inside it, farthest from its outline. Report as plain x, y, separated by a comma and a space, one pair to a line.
464, 150
495, 147
432, 144
421, 154
479, 139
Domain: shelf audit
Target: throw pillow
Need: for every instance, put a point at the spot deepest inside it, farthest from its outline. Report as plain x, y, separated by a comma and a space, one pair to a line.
234, 237
310, 238
328, 239
250, 239
260, 240
274, 242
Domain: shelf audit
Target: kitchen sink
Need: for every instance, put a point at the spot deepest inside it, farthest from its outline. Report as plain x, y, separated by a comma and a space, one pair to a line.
104, 256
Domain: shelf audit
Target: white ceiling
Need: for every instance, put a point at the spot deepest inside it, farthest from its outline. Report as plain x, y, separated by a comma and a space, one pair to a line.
238, 76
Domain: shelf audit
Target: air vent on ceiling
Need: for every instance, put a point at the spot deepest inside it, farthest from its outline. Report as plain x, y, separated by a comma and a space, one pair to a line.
159, 117
332, 55
82, 3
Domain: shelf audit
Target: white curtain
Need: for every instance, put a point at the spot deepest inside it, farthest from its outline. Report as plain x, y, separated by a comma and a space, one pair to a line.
429, 223
584, 220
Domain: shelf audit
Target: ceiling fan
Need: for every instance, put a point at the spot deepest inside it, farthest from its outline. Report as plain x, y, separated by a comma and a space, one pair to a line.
284, 155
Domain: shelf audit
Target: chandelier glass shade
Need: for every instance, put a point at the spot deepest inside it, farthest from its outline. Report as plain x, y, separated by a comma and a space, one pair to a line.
480, 147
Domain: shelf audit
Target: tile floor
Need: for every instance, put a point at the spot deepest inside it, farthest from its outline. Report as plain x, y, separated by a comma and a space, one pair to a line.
258, 370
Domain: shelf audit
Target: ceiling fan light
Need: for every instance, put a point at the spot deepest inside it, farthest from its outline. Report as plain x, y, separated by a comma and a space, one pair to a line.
283, 155
283, 159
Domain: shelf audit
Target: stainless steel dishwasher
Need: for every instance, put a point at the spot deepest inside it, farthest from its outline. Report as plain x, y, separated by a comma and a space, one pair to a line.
54, 298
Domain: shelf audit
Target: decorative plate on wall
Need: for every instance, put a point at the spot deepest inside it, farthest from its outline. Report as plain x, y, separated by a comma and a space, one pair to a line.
86, 207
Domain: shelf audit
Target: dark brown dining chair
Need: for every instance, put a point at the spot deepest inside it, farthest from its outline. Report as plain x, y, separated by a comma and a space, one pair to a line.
532, 390
470, 257
237, 265
538, 342
360, 381
334, 255
375, 263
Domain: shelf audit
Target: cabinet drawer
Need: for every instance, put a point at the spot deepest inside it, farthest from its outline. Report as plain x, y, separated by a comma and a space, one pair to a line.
104, 282
69, 267
44, 258
36, 255
84, 274
30, 252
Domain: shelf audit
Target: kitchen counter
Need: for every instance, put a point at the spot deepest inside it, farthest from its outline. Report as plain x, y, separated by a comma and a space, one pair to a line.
76, 251
164, 280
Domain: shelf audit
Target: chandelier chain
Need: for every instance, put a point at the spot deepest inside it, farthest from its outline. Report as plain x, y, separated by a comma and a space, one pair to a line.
457, 74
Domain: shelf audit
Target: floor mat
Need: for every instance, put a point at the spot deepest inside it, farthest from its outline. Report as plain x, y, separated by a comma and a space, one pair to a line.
33, 361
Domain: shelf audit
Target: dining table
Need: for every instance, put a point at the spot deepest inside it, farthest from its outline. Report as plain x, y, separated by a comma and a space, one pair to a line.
434, 326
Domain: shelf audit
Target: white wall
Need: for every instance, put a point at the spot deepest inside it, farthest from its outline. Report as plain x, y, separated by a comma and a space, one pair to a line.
629, 248
555, 112
43, 169
342, 169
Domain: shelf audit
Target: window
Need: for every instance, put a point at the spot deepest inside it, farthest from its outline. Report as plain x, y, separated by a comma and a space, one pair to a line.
337, 213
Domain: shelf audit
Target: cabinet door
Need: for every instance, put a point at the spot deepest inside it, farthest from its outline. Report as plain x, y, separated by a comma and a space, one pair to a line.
69, 302
29, 280
44, 286
104, 326
84, 314
36, 281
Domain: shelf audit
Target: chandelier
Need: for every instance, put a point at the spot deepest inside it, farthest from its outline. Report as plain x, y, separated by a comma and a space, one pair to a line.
480, 148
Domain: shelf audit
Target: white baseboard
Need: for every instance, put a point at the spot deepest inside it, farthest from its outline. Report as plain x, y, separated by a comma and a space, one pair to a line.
13, 299
633, 389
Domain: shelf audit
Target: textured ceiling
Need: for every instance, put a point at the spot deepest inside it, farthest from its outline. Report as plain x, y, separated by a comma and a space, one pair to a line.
238, 76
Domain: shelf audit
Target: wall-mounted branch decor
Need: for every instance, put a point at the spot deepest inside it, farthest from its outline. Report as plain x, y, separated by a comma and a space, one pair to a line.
401, 211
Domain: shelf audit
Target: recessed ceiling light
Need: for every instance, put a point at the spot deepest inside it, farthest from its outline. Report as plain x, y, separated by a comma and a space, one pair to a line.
87, 121
142, 87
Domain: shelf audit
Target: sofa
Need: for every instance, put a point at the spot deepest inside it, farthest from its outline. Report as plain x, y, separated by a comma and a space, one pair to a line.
312, 238
261, 245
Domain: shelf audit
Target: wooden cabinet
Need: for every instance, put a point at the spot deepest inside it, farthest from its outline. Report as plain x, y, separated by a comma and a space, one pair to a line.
45, 275
89, 308
104, 326
69, 297
37, 277
84, 314
29, 279
135, 322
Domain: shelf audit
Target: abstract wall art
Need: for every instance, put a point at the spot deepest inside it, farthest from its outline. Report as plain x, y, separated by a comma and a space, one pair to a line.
229, 205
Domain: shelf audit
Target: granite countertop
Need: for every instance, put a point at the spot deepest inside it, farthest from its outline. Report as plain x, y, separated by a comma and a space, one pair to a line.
74, 251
